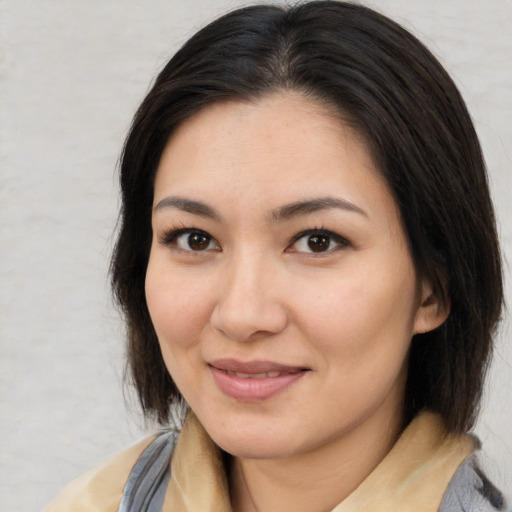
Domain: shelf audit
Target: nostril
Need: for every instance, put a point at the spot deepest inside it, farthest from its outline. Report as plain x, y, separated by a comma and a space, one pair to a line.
244, 321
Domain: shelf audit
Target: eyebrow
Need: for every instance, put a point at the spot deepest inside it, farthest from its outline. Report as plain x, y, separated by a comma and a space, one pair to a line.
305, 207
282, 213
189, 206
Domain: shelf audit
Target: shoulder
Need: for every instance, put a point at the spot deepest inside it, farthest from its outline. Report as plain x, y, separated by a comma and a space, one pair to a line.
471, 491
100, 489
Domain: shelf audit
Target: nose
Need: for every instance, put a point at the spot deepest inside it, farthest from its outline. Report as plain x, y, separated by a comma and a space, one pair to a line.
249, 302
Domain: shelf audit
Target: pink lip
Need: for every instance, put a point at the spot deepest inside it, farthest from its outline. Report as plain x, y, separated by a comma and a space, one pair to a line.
251, 385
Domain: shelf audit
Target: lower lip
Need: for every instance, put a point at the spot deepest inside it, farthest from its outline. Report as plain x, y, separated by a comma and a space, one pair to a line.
253, 390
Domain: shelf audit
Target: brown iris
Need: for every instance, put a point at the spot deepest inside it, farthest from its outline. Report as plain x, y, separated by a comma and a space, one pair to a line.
198, 241
319, 243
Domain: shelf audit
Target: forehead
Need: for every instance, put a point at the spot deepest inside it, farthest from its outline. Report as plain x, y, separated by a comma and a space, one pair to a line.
280, 126
275, 150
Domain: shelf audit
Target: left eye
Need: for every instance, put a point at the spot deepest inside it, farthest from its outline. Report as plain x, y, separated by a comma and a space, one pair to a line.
191, 240
318, 242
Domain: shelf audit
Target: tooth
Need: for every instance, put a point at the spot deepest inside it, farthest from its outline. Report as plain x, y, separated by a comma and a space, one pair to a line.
242, 375
263, 375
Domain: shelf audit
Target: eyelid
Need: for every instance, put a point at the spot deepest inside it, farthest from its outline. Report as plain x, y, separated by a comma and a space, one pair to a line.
335, 237
170, 236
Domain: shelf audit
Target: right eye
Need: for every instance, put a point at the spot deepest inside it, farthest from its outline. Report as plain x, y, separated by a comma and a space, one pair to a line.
193, 240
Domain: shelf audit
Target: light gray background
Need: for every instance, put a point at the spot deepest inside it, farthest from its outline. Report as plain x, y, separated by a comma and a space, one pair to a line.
71, 75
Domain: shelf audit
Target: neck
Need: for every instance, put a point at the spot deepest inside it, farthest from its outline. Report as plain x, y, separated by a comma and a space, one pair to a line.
317, 480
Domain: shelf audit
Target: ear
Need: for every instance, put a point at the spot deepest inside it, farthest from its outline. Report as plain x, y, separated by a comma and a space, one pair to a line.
432, 311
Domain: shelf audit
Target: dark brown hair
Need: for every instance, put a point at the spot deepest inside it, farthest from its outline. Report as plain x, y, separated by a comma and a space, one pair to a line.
382, 80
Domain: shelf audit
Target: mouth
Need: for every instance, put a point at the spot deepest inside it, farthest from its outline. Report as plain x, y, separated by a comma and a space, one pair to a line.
253, 381
264, 375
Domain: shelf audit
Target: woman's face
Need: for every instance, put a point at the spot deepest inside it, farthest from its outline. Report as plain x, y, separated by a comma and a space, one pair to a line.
279, 282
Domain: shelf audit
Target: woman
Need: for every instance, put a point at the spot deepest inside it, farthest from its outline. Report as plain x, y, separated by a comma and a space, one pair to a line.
308, 260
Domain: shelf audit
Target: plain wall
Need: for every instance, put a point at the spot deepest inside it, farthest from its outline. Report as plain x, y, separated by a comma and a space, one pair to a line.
71, 76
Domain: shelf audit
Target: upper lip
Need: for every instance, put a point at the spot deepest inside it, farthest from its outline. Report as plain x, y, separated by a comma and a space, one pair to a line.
256, 367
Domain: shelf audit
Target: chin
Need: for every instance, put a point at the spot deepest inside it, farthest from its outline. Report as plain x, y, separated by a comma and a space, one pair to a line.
251, 442
255, 448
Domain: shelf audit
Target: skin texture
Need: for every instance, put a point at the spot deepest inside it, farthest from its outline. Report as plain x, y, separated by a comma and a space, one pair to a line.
344, 316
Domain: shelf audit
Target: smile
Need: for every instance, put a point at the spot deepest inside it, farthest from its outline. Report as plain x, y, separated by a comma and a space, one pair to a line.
253, 381
264, 375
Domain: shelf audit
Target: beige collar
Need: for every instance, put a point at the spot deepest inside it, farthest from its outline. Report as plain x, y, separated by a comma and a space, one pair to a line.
412, 477
198, 479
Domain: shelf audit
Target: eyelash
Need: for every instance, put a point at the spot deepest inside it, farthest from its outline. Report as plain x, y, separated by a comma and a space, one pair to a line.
170, 238
334, 237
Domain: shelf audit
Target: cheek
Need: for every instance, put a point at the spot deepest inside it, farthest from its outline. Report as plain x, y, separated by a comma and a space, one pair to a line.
179, 307
361, 314
361, 332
